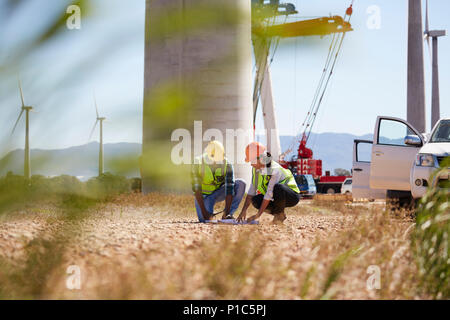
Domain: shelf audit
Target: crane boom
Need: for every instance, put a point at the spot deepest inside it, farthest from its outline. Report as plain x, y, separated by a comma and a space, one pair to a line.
313, 27
262, 38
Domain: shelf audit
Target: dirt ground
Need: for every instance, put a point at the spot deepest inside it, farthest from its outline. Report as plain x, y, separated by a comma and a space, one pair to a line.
153, 248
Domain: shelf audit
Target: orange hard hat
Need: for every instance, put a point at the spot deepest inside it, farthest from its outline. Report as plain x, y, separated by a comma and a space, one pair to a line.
253, 151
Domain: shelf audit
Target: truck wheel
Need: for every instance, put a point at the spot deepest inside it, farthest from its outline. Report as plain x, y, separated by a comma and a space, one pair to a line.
331, 191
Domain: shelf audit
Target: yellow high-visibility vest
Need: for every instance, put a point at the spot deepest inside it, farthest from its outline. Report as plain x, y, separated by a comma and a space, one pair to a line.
261, 181
211, 181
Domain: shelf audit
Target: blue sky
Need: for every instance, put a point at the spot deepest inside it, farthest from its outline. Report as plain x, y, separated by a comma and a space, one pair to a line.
370, 78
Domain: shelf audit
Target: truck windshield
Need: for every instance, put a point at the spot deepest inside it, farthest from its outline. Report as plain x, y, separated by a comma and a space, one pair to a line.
442, 132
310, 179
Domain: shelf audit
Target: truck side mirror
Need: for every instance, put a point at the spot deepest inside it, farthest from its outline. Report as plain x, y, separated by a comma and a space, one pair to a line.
413, 140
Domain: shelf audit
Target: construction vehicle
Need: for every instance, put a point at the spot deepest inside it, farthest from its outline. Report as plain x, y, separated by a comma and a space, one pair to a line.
304, 164
265, 34
306, 185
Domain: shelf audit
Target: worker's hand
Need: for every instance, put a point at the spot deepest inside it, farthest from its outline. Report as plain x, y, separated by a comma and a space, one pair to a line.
253, 218
206, 215
242, 216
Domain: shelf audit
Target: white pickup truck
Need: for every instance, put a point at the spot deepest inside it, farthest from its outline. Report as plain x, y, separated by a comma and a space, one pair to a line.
398, 163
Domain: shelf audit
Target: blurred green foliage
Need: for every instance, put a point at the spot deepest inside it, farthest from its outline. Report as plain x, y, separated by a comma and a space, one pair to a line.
54, 26
67, 192
179, 21
108, 185
335, 271
431, 242
58, 24
29, 280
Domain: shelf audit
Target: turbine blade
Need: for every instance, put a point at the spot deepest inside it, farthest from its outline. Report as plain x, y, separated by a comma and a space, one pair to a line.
430, 51
15, 125
93, 129
21, 93
427, 33
96, 107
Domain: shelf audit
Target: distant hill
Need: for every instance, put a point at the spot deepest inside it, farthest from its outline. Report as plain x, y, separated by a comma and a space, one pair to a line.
335, 150
79, 161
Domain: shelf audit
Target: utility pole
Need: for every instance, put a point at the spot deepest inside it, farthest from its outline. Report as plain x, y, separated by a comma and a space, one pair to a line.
416, 74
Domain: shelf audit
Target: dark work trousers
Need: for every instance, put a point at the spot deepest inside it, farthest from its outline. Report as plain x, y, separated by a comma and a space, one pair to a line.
283, 197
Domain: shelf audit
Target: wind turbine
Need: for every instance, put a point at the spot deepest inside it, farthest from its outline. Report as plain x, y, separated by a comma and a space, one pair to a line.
434, 34
26, 109
415, 101
100, 154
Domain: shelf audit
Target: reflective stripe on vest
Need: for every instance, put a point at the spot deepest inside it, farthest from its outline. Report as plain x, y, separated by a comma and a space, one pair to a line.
212, 181
261, 181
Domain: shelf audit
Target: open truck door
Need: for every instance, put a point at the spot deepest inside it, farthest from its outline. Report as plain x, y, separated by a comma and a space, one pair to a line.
391, 157
362, 150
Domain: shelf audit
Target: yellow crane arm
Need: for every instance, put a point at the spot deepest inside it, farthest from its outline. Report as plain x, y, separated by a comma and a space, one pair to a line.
314, 27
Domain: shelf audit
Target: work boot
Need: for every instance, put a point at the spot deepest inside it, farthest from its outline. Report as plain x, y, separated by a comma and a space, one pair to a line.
279, 218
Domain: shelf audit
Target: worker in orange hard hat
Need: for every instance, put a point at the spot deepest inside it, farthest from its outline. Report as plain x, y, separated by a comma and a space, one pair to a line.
273, 187
253, 151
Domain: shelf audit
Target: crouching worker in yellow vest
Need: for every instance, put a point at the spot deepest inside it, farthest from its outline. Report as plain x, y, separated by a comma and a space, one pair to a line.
213, 181
273, 187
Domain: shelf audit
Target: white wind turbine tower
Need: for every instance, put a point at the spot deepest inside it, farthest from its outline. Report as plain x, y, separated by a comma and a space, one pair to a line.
26, 109
100, 154
434, 34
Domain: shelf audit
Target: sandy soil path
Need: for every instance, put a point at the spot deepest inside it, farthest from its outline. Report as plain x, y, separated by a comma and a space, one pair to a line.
154, 252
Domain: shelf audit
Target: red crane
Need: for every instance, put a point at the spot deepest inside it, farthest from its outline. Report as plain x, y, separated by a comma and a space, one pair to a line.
303, 162
265, 33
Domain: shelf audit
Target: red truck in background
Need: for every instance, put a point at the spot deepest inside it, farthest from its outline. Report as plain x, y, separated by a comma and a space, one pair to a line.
304, 163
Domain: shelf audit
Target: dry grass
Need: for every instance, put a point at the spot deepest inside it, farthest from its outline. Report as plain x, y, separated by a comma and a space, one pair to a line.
147, 247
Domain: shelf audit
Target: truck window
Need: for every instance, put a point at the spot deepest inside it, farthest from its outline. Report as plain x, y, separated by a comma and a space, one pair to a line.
363, 152
442, 132
391, 132
310, 180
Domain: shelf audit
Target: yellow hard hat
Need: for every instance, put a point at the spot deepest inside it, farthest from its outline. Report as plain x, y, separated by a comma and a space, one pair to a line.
215, 151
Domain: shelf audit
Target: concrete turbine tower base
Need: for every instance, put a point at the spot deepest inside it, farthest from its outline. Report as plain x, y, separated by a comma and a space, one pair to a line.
197, 71
416, 75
